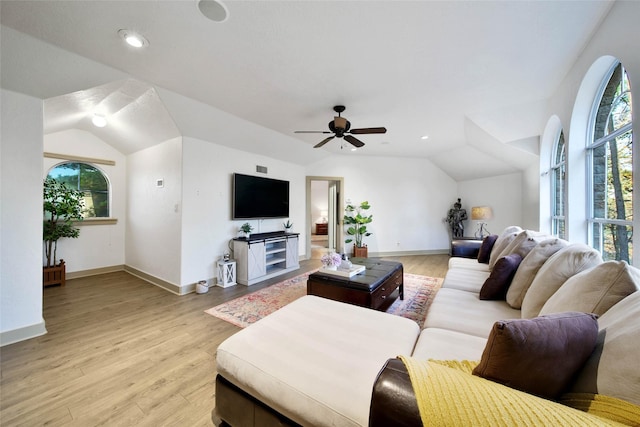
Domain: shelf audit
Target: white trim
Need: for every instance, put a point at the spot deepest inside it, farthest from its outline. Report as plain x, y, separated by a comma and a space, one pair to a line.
21, 334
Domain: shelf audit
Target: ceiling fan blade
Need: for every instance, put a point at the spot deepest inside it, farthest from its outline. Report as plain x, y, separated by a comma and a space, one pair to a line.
368, 130
324, 141
354, 141
311, 131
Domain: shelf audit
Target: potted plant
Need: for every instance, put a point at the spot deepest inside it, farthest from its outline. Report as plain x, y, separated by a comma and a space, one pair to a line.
62, 206
287, 226
357, 227
246, 228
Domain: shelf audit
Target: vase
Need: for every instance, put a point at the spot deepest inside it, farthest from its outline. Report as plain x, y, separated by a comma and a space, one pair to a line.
331, 267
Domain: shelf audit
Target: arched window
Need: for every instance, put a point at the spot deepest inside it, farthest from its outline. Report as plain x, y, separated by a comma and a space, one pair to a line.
611, 169
558, 189
88, 179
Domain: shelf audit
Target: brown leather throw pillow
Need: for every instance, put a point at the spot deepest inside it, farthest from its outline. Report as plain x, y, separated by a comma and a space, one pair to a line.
484, 254
541, 355
497, 284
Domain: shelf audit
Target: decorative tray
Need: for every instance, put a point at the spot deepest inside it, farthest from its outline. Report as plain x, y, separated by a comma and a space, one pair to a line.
355, 269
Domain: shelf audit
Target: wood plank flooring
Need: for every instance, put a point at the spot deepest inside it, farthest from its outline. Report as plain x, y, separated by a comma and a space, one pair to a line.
122, 352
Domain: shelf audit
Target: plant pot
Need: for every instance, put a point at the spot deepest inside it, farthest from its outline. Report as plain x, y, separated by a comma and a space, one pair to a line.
361, 252
55, 275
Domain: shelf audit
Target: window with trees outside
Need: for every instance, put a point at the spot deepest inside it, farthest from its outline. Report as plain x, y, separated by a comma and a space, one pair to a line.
90, 181
558, 189
611, 162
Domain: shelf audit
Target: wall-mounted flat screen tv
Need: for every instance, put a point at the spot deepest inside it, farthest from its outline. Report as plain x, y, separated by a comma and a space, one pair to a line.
256, 197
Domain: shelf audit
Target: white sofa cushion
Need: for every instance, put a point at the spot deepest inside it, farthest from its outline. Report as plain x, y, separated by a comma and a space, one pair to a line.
595, 290
467, 263
529, 267
565, 263
315, 360
465, 279
613, 367
464, 312
443, 344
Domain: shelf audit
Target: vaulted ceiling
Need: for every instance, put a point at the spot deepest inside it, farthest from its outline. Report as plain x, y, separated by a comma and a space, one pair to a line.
472, 75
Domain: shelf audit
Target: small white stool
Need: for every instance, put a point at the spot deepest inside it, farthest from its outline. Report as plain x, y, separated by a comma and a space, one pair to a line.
226, 273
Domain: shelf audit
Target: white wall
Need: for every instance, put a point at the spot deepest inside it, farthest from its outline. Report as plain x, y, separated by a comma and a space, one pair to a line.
207, 227
20, 218
502, 193
154, 214
98, 245
409, 199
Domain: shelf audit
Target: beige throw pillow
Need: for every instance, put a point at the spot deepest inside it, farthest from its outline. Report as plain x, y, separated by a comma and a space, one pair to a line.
529, 267
507, 235
565, 263
595, 290
613, 367
522, 243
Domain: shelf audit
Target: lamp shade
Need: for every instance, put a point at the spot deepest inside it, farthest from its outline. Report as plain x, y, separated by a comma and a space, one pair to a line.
481, 213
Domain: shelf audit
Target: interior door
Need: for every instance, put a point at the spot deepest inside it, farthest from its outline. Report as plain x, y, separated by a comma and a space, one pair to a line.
333, 217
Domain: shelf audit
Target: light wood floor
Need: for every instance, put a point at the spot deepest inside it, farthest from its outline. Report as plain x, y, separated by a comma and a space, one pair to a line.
122, 352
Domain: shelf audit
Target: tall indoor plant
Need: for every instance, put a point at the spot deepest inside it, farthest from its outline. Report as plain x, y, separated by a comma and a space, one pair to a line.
62, 206
357, 227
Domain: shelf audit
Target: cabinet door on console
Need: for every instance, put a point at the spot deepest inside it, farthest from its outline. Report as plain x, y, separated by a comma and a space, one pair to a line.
292, 253
256, 265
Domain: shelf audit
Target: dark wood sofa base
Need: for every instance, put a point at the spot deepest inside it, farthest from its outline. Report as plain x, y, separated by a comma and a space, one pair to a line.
239, 409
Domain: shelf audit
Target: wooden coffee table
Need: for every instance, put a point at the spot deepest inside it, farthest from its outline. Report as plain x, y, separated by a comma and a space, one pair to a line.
367, 289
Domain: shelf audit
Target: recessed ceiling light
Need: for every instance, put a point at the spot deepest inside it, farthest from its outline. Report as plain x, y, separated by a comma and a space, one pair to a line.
99, 120
133, 39
424, 137
213, 9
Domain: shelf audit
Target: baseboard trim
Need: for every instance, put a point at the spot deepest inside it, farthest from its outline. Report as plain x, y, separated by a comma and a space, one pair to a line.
167, 286
21, 334
409, 253
94, 271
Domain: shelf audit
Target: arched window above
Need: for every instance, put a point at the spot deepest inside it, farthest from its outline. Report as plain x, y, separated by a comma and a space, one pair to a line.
558, 189
611, 169
89, 180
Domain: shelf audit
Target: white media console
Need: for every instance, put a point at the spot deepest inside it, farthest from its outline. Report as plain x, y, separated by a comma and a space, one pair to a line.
265, 255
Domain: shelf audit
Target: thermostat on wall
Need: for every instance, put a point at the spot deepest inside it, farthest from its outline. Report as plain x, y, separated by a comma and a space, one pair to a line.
160, 183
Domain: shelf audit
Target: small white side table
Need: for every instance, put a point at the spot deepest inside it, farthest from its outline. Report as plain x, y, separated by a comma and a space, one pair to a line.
226, 273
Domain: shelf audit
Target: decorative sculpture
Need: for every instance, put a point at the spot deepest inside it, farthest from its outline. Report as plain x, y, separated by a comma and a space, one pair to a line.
455, 217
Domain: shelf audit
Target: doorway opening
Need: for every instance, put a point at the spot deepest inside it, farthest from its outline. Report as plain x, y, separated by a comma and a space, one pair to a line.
324, 219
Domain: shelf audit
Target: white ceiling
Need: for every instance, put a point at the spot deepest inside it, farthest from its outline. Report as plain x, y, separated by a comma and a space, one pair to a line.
473, 75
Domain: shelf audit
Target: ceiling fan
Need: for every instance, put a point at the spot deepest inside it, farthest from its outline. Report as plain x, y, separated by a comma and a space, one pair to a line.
341, 128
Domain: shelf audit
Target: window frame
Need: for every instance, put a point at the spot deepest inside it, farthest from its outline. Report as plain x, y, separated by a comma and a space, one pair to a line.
590, 148
94, 220
559, 164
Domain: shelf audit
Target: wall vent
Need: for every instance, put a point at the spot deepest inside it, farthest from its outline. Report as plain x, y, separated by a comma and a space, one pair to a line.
261, 169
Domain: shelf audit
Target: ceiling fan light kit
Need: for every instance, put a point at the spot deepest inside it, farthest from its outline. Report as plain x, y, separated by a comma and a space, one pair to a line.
341, 128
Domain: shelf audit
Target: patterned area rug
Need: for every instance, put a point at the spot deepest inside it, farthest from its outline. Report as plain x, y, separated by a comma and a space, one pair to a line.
243, 311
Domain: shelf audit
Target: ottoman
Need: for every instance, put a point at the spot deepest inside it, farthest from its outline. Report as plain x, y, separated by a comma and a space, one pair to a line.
367, 289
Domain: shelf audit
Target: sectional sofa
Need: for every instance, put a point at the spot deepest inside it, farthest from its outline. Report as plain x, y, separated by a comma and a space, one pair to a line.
318, 362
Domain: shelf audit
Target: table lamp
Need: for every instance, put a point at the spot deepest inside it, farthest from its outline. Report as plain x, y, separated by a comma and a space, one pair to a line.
481, 213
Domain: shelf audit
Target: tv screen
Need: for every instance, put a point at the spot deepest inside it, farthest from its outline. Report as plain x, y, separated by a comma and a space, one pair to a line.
257, 197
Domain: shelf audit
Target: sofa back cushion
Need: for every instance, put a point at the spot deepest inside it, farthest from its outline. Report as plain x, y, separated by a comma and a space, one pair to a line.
613, 368
523, 243
507, 235
539, 356
595, 290
484, 254
565, 263
529, 268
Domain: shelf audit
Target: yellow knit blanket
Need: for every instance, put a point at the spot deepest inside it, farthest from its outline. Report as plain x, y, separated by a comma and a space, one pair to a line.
448, 395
